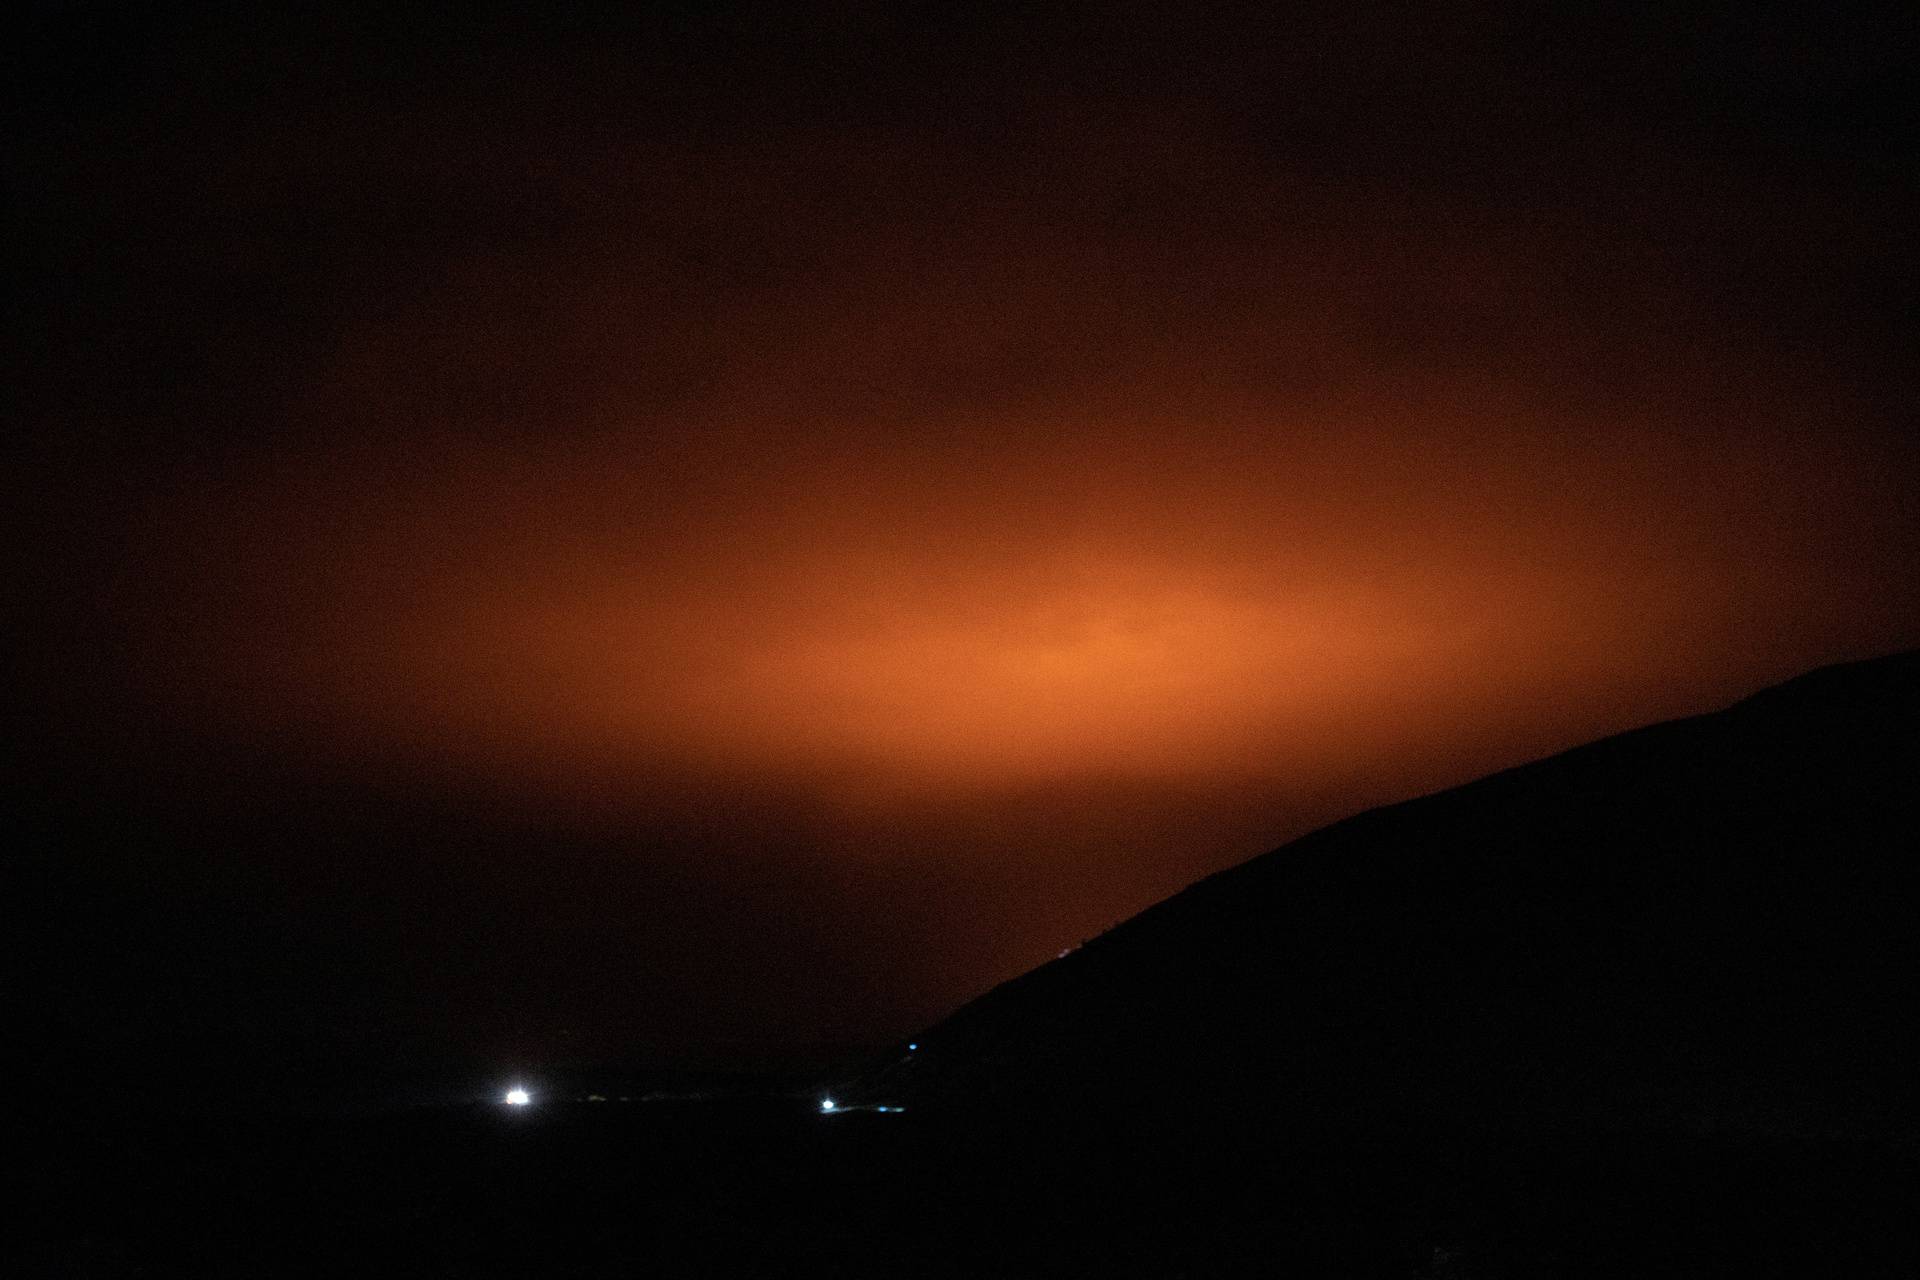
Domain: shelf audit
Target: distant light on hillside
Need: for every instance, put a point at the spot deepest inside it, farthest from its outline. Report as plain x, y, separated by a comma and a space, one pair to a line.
517, 1097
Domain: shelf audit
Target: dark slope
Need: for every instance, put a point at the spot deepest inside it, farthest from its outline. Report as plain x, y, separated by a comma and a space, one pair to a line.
1643, 1009
1704, 926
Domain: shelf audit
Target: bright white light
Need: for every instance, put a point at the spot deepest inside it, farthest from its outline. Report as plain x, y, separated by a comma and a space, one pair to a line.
826, 1104
518, 1097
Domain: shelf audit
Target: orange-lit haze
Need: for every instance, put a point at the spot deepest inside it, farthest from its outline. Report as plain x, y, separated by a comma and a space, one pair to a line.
1249, 595
1155, 610
959, 535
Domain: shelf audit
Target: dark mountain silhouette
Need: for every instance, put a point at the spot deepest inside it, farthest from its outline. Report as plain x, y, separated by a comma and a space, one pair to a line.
1644, 1008
1704, 926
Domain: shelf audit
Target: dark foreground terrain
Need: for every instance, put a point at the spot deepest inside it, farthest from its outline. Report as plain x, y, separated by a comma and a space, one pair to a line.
763, 1188
746, 1188
1646, 1008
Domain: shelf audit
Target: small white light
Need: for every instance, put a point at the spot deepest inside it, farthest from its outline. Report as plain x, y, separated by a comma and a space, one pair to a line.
826, 1104
518, 1097
912, 1048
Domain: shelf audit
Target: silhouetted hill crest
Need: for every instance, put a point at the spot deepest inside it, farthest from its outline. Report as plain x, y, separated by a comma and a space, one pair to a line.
1705, 922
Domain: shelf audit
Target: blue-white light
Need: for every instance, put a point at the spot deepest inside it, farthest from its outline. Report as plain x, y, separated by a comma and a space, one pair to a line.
913, 1048
827, 1104
517, 1097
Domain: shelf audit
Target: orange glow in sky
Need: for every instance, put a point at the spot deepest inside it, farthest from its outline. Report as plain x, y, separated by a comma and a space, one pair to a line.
962, 528
1263, 599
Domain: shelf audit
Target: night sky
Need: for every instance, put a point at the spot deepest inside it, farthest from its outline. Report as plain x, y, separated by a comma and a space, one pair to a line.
714, 536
